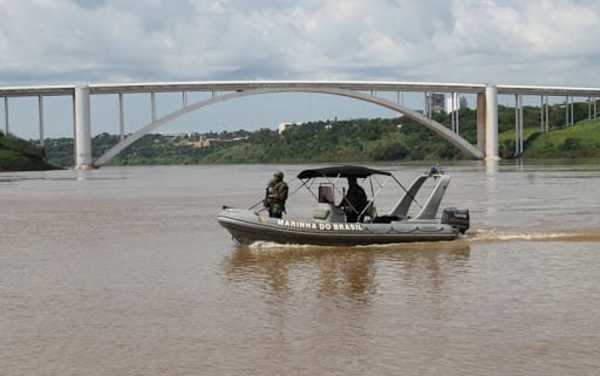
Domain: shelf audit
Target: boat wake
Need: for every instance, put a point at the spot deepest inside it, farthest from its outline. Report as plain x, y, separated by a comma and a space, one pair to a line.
493, 236
474, 236
273, 245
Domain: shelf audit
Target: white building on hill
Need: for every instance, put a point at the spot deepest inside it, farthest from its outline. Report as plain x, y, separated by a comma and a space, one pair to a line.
283, 127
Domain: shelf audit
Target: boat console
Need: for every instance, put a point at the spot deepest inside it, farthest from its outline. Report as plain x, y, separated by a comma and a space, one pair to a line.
326, 211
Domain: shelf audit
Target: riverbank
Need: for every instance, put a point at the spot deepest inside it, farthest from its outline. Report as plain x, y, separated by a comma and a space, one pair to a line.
20, 155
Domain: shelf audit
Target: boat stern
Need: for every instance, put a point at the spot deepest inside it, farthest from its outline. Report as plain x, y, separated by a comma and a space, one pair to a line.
457, 218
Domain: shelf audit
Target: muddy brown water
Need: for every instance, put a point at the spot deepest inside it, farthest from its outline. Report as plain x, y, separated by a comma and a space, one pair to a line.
125, 271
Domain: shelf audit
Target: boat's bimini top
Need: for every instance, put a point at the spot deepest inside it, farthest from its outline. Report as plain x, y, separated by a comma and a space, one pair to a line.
342, 172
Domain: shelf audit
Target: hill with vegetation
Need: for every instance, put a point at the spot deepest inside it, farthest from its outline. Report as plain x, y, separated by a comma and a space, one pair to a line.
324, 141
580, 141
356, 140
20, 155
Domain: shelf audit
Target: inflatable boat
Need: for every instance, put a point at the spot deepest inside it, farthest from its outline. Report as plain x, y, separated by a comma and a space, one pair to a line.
328, 224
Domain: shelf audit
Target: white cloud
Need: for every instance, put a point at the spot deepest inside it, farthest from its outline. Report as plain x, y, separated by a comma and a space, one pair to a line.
546, 41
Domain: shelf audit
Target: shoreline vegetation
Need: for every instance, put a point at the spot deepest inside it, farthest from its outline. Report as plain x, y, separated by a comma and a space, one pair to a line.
339, 141
355, 140
20, 155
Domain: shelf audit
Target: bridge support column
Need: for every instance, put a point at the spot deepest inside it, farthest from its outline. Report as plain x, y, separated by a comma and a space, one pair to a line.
542, 113
518, 125
121, 117
41, 119
6, 123
481, 122
83, 130
567, 111
153, 105
455, 113
572, 112
547, 117
491, 123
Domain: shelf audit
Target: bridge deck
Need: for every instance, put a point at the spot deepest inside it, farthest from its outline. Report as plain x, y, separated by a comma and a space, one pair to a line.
208, 86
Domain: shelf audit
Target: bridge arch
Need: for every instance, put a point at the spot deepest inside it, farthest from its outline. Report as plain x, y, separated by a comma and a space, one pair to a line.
439, 129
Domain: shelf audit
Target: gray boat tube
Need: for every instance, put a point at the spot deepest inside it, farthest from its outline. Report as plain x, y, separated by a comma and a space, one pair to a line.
248, 227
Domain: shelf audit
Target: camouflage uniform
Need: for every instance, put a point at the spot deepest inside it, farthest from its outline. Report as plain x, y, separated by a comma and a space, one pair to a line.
276, 195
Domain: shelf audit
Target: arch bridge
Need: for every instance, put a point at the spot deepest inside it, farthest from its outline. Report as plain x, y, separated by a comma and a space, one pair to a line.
222, 91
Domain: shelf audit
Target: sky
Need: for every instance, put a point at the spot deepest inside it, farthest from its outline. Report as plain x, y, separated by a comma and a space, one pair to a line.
548, 42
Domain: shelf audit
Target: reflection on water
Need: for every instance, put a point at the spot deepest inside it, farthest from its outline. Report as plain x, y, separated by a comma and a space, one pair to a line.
342, 272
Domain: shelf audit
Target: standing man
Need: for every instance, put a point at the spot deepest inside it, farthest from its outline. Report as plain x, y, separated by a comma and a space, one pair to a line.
276, 196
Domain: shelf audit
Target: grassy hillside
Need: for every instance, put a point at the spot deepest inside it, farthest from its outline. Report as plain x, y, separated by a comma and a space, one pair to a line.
21, 155
506, 141
579, 141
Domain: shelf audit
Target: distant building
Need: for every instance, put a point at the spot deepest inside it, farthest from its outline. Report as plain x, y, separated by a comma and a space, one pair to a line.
450, 105
437, 102
460, 103
283, 127
202, 142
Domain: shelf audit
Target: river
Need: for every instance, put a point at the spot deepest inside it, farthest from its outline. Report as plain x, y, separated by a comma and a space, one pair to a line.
125, 271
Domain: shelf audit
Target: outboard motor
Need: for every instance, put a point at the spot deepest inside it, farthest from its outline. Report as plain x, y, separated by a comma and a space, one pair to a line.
457, 218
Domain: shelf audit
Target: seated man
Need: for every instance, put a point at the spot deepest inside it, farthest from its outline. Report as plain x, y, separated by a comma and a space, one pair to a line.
354, 202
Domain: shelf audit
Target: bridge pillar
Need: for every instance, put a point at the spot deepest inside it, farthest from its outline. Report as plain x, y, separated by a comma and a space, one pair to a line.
83, 130
6, 123
481, 122
491, 122
41, 119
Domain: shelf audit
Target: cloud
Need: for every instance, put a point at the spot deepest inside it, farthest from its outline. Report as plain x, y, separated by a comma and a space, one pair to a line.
546, 41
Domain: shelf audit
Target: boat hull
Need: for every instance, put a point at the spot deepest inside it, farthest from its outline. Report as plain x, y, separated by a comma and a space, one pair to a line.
247, 227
